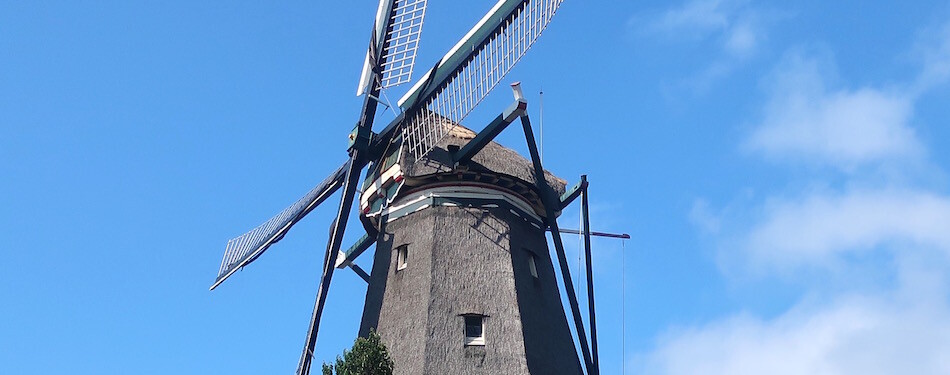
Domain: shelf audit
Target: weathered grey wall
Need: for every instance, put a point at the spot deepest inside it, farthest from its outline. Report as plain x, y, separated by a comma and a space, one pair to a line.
549, 345
397, 301
468, 261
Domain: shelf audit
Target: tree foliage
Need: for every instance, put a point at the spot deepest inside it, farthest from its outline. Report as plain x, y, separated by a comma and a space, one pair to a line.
368, 356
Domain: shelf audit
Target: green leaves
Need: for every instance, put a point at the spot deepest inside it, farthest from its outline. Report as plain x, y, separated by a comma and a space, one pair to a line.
368, 356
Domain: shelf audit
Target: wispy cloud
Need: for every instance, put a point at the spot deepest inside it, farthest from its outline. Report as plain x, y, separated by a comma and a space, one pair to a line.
702, 216
933, 50
898, 326
744, 36
736, 25
736, 30
697, 18
823, 229
805, 119
902, 334
809, 119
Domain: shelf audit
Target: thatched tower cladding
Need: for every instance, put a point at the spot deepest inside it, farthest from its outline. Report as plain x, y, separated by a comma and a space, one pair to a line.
494, 158
462, 280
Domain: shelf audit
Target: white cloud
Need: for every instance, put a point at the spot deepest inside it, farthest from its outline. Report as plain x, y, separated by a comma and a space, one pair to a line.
804, 120
890, 325
734, 30
934, 51
702, 216
743, 38
733, 23
696, 17
904, 330
857, 335
823, 229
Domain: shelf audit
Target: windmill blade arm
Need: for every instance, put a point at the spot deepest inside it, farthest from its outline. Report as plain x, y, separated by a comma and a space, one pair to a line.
471, 69
247, 247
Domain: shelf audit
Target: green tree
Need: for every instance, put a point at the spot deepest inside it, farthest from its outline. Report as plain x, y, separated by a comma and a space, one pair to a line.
368, 356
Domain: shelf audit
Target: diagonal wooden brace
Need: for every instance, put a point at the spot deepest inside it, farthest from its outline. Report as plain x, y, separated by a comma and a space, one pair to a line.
551, 202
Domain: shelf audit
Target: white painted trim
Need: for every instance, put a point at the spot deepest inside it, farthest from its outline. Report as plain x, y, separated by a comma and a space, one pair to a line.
466, 191
402, 257
387, 175
533, 264
365, 75
341, 260
472, 340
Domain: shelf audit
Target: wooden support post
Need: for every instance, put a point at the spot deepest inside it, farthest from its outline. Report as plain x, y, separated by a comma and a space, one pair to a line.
550, 203
585, 212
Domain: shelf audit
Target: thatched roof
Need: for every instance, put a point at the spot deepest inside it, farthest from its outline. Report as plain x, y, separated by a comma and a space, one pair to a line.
494, 158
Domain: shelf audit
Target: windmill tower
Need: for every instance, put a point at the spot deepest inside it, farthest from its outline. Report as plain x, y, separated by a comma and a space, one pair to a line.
462, 280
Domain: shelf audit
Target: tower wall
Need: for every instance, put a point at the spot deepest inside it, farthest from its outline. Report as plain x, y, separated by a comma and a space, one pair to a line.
468, 261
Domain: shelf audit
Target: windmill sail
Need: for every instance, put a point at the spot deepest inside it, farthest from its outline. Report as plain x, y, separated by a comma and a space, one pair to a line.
400, 44
247, 247
470, 70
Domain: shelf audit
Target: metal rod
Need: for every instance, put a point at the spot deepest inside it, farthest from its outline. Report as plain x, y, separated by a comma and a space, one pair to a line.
596, 233
541, 124
623, 306
550, 201
585, 213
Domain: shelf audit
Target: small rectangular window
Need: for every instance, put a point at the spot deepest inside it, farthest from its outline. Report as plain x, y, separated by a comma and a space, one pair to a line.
474, 330
402, 257
533, 264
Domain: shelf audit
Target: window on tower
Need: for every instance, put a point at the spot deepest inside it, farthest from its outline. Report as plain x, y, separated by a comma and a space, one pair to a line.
474, 330
402, 257
533, 264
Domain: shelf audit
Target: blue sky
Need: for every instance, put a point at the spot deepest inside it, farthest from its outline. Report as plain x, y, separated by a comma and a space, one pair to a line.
781, 167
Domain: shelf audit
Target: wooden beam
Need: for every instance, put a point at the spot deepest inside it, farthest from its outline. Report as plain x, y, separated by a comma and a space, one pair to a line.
550, 200
592, 317
472, 147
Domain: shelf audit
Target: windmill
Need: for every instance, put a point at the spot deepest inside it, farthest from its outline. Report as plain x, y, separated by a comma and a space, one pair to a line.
441, 189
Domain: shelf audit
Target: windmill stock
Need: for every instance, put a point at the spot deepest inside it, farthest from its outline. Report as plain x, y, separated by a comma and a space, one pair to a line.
426, 174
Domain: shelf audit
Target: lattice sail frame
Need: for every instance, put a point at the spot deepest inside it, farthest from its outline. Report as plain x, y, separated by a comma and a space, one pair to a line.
400, 54
245, 248
477, 75
402, 43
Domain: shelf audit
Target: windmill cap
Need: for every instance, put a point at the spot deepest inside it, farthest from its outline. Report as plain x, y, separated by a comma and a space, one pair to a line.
493, 159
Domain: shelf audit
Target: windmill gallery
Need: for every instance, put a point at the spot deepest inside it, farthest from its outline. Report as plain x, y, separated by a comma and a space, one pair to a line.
462, 280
